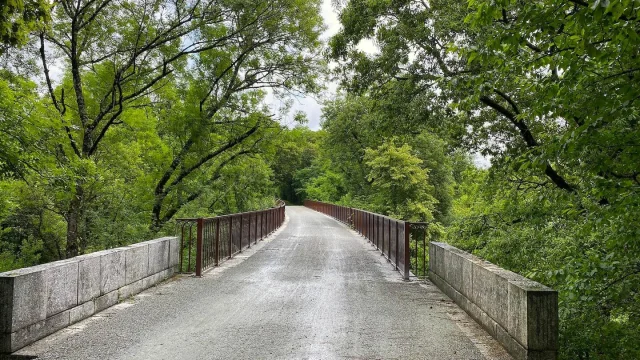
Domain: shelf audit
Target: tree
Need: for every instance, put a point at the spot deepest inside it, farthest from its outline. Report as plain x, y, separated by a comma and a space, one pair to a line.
401, 185
297, 148
120, 57
547, 90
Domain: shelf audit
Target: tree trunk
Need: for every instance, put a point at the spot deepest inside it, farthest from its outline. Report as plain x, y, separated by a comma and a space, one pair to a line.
74, 219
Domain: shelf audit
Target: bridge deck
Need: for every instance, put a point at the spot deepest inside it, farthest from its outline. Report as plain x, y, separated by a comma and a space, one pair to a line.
316, 290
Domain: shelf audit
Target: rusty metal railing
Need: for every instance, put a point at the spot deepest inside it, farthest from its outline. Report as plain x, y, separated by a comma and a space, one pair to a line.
207, 242
403, 243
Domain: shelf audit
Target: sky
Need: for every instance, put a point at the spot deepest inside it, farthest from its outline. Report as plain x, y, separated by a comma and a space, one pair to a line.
311, 105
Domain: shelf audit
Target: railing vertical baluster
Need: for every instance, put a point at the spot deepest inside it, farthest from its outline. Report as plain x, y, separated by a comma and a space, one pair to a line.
407, 250
396, 257
424, 252
205, 232
190, 247
249, 235
199, 247
182, 244
239, 221
230, 236
375, 230
217, 242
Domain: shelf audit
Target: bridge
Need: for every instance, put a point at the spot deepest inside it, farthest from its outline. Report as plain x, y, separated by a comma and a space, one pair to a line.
316, 287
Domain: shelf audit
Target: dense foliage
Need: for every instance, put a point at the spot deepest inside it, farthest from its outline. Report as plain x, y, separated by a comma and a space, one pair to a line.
116, 117
548, 91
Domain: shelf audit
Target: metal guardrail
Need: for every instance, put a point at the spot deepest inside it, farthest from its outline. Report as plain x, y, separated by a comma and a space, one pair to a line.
207, 242
405, 244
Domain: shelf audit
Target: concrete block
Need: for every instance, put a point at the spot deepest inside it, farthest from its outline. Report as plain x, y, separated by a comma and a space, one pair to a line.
439, 257
158, 255
89, 283
174, 252
62, 286
467, 276
491, 290
136, 262
37, 301
521, 314
81, 312
533, 315
131, 289
37, 331
112, 270
169, 273
6, 304
432, 257
453, 269
24, 298
155, 279
485, 285
510, 344
106, 301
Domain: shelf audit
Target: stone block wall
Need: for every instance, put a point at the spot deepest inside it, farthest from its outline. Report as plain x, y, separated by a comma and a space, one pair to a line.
40, 300
520, 313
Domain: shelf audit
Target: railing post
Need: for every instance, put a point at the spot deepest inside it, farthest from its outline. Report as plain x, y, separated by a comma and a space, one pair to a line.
376, 231
256, 228
230, 236
407, 249
199, 247
217, 243
389, 241
240, 241
249, 235
397, 243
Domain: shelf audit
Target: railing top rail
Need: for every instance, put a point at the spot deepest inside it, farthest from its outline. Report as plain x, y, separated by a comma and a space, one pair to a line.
373, 213
278, 205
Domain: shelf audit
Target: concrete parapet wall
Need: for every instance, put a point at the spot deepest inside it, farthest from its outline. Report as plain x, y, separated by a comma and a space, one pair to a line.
520, 313
40, 300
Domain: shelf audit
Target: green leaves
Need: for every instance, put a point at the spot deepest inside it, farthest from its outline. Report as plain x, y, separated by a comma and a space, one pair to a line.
548, 89
18, 18
400, 184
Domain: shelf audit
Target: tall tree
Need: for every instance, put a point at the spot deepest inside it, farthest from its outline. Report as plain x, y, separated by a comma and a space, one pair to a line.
119, 55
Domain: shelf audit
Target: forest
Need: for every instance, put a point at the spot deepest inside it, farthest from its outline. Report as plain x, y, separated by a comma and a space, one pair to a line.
512, 126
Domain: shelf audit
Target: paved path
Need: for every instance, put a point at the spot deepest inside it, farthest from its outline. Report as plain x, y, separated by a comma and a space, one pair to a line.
316, 290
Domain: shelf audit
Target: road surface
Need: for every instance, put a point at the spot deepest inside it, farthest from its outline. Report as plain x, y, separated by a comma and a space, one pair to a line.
314, 290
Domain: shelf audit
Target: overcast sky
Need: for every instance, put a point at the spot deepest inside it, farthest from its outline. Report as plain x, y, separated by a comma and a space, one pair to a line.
311, 105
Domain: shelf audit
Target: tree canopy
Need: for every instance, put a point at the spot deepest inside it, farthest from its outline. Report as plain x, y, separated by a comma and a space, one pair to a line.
117, 117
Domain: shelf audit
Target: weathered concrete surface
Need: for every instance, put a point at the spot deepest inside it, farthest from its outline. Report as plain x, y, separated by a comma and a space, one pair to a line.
521, 314
315, 291
112, 263
158, 256
39, 300
137, 262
